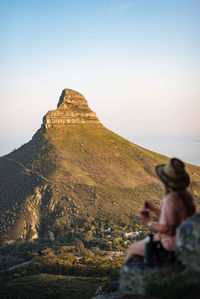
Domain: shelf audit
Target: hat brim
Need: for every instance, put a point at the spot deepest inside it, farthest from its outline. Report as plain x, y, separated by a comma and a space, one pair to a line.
174, 184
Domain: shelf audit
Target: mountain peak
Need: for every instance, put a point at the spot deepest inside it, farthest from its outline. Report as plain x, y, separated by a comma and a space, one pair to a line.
71, 98
64, 177
72, 108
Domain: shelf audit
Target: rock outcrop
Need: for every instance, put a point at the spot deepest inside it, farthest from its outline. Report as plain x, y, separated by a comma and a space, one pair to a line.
72, 108
188, 243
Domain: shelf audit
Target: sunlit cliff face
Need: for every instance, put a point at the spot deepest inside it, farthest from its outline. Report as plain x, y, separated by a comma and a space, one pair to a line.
72, 108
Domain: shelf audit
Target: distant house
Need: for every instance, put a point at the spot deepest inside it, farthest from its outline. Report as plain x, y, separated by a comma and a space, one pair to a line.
132, 234
107, 230
112, 254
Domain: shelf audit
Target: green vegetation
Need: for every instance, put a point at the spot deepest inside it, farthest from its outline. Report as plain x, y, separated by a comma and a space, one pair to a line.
92, 235
57, 272
50, 286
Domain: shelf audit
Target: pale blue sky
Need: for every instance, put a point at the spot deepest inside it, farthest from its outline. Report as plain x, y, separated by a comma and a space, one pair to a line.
136, 62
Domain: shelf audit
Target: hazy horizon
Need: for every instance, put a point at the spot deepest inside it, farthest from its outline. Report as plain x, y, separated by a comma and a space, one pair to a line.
137, 62
186, 148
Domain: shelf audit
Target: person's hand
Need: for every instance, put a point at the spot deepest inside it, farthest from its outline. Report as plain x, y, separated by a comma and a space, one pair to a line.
148, 205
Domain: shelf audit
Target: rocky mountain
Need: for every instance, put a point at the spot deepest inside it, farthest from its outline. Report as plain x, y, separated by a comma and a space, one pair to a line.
75, 171
72, 108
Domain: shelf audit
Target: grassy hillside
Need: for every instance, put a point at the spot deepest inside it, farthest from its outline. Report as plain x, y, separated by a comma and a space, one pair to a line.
65, 176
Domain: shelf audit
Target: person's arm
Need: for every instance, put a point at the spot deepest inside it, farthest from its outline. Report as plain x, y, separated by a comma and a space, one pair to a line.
160, 228
151, 207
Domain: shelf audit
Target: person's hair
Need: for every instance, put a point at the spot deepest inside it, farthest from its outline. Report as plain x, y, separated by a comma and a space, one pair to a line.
186, 198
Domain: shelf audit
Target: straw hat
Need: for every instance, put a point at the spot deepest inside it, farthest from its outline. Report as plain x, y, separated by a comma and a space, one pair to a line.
173, 174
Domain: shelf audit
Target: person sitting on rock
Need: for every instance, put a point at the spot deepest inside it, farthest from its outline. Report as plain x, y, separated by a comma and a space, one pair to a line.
177, 205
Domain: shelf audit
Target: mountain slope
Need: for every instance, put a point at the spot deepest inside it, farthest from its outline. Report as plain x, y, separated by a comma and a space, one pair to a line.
72, 170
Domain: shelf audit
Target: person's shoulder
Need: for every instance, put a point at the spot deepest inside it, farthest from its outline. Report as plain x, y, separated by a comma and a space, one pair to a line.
171, 198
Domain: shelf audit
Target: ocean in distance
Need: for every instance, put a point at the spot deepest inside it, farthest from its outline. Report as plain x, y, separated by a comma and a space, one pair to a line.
186, 149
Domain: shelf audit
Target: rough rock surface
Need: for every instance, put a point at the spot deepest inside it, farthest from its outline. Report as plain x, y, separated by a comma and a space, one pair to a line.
134, 278
72, 108
188, 243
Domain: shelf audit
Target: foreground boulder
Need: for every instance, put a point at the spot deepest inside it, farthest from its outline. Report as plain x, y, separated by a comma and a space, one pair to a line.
188, 243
